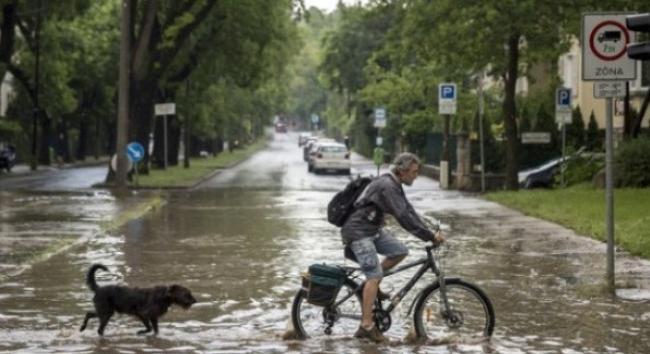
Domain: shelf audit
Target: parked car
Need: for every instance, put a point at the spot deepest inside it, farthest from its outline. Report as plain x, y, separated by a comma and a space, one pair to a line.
307, 146
542, 176
7, 157
302, 138
330, 156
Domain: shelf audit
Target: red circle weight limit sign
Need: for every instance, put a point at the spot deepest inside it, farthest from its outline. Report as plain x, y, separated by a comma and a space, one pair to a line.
620, 34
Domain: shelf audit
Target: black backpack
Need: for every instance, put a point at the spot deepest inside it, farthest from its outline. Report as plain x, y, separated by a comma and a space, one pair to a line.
342, 205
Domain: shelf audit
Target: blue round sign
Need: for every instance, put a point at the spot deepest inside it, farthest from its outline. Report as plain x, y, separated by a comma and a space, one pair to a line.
135, 151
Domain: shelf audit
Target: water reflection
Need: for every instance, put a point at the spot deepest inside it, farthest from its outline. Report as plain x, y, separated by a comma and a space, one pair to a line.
241, 251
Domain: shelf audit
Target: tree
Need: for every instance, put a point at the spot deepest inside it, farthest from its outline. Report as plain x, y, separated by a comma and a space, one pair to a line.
594, 142
30, 29
575, 132
506, 37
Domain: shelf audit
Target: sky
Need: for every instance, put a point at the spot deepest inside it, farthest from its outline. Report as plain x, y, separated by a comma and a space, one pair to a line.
328, 5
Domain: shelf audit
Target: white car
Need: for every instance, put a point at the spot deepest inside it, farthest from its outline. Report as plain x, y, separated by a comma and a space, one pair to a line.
302, 138
330, 156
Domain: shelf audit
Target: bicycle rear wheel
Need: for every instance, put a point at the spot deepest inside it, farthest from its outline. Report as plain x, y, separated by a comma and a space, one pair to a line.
470, 316
314, 321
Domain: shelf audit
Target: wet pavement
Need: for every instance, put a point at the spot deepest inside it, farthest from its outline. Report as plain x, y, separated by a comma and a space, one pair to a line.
241, 240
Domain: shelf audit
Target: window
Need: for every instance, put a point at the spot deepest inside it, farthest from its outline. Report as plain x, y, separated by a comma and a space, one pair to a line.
333, 149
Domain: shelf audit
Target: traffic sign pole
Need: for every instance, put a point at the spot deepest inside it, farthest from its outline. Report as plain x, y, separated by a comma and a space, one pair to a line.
605, 40
480, 129
563, 117
447, 94
563, 166
609, 192
165, 140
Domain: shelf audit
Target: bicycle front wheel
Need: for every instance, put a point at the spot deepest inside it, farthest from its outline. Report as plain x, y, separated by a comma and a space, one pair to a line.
470, 314
342, 318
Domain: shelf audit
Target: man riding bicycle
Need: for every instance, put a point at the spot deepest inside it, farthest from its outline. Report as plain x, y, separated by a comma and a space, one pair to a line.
364, 235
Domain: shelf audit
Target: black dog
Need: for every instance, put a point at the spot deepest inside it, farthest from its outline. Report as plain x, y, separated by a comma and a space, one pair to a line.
147, 304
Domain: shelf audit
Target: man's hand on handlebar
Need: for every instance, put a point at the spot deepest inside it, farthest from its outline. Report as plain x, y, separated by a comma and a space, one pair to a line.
438, 238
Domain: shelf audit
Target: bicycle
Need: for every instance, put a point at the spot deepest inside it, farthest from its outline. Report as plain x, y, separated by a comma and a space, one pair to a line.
448, 306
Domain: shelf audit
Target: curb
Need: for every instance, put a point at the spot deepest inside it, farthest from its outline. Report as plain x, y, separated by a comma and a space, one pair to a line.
200, 181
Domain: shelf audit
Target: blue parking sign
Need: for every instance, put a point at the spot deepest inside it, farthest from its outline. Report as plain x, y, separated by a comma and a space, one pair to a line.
135, 151
563, 98
448, 91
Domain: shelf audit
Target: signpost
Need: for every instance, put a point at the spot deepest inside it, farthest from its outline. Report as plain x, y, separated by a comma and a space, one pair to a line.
480, 129
314, 120
604, 43
165, 109
563, 117
447, 95
380, 117
380, 122
135, 153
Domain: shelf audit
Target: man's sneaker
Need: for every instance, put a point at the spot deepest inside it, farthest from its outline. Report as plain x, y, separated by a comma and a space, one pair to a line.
380, 294
374, 334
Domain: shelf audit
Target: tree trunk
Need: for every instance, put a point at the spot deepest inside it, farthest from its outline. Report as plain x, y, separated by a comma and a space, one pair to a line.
509, 114
83, 140
173, 141
141, 117
46, 139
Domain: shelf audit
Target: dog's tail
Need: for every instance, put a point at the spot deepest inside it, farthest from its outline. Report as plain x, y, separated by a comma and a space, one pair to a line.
90, 278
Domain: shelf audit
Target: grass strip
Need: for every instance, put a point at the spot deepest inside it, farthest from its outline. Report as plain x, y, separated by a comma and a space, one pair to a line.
178, 176
582, 209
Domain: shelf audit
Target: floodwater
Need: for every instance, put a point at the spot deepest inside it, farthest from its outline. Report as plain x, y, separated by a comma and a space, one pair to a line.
241, 241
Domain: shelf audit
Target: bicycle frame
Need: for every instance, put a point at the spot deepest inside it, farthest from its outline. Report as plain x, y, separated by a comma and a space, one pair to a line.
425, 264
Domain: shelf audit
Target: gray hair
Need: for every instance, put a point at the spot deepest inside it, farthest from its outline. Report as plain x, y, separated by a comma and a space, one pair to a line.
403, 161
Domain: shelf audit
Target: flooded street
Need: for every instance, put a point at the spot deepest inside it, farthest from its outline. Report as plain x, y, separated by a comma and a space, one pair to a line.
241, 240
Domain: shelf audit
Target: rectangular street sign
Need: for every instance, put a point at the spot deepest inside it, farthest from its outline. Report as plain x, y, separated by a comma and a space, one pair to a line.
536, 138
563, 100
563, 106
604, 47
609, 89
447, 94
380, 117
165, 109
563, 117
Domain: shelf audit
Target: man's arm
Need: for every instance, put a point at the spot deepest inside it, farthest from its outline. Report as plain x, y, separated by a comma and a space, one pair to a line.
395, 203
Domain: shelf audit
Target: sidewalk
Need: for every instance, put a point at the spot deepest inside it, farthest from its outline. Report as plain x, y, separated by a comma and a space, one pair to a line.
20, 170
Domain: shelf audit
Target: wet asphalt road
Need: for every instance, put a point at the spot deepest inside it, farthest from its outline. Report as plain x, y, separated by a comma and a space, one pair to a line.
56, 179
241, 240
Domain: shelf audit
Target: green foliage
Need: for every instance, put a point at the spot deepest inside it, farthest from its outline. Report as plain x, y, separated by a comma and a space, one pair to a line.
580, 169
633, 163
594, 140
575, 132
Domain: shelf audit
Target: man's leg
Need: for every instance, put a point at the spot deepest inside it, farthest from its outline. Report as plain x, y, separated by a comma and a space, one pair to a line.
366, 254
389, 263
369, 295
392, 248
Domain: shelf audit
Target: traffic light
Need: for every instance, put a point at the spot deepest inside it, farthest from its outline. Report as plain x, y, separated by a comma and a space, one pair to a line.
639, 23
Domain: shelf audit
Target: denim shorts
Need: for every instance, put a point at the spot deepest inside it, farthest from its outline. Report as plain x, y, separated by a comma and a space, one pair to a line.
367, 248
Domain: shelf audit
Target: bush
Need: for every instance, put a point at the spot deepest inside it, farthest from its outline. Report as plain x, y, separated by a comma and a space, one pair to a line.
633, 163
581, 169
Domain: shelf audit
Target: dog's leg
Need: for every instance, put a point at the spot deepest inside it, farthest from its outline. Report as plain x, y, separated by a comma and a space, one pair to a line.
145, 322
89, 315
154, 322
103, 321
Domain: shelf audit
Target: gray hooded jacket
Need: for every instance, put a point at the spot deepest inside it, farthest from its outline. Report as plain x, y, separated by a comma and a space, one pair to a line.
382, 196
